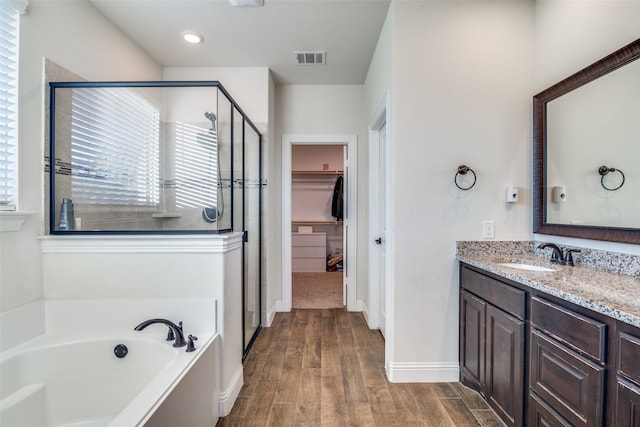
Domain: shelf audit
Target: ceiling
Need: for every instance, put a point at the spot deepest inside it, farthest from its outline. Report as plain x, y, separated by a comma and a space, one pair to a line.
266, 36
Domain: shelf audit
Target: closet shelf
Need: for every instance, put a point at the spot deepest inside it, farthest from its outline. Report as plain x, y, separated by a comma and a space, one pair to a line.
317, 172
316, 222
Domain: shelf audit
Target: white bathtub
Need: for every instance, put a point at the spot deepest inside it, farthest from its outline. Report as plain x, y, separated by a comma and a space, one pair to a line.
57, 381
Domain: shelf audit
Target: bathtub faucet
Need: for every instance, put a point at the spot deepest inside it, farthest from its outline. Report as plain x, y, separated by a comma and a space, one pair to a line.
177, 330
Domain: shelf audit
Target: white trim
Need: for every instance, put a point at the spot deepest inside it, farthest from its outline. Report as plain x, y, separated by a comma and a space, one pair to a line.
228, 397
12, 220
381, 117
405, 372
361, 306
351, 212
151, 244
275, 307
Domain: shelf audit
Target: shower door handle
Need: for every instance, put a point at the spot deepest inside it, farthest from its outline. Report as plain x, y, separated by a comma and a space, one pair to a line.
378, 241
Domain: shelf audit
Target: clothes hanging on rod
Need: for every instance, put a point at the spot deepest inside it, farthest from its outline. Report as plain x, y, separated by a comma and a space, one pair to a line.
337, 201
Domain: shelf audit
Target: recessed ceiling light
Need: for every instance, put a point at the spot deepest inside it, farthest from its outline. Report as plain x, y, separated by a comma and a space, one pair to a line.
192, 37
245, 3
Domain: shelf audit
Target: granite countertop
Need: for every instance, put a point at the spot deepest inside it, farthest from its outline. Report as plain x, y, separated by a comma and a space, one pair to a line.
614, 295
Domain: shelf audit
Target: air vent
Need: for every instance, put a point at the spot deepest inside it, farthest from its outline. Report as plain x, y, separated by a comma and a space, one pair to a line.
311, 58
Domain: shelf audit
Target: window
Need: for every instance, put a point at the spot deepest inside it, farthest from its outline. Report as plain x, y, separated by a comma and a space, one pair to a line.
115, 140
9, 37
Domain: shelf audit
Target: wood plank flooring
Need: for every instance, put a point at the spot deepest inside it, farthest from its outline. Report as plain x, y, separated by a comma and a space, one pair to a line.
325, 367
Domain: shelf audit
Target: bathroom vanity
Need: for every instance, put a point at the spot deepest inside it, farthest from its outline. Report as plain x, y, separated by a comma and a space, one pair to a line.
552, 348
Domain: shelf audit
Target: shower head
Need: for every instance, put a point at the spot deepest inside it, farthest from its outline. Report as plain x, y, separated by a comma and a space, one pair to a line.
211, 116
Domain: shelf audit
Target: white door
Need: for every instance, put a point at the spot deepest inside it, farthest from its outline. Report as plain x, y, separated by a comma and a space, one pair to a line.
381, 240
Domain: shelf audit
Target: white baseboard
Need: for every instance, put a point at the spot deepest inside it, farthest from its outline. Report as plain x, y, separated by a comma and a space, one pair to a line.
275, 308
401, 372
361, 306
228, 397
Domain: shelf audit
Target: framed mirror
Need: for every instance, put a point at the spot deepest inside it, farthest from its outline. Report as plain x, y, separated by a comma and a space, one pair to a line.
588, 121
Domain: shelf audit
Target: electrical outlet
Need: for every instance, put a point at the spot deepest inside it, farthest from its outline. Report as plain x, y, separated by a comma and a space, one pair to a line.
488, 229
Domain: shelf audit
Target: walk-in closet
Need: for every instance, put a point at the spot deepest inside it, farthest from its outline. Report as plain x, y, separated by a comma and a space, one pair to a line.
317, 238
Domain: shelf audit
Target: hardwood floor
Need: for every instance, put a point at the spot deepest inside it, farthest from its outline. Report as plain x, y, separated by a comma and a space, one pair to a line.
326, 368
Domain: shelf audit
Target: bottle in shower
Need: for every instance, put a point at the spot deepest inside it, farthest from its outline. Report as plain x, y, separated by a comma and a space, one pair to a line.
66, 215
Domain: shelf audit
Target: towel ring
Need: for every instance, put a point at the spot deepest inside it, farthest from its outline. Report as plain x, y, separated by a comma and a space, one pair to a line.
462, 170
603, 171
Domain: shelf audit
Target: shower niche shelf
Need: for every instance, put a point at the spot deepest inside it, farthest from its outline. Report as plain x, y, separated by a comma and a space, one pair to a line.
166, 215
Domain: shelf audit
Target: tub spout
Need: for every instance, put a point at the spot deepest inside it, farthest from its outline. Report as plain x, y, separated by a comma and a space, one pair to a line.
177, 330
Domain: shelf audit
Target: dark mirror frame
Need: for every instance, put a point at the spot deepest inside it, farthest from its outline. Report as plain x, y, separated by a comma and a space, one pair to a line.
604, 66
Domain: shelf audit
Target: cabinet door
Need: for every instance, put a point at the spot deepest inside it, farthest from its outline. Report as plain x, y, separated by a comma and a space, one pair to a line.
628, 410
568, 382
472, 317
504, 386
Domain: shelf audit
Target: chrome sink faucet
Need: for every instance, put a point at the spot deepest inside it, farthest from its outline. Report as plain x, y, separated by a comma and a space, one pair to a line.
177, 330
558, 256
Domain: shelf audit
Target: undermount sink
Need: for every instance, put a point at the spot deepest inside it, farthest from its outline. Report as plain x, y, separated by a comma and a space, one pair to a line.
521, 266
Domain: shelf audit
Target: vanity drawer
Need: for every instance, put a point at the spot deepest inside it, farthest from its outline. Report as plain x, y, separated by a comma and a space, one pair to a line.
629, 356
582, 333
506, 297
541, 414
571, 384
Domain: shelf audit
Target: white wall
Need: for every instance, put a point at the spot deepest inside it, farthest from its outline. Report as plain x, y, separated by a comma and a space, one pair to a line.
380, 75
248, 86
597, 29
462, 90
76, 36
322, 110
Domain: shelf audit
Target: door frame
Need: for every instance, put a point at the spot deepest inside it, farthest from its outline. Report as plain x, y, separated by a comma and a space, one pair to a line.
382, 117
350, 210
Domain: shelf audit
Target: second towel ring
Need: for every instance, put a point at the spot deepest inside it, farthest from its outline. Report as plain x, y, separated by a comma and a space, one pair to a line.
603, 171
462, 170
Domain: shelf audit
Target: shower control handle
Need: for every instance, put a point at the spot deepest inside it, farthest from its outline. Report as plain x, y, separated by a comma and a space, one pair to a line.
378, 241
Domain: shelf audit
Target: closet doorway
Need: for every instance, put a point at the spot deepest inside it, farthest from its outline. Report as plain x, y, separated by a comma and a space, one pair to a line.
317, 218
318, 224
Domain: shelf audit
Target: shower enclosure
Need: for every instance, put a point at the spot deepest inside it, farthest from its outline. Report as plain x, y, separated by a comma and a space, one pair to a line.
157, 158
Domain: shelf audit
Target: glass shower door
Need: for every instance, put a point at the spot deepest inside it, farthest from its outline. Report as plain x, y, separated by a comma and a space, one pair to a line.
252, 226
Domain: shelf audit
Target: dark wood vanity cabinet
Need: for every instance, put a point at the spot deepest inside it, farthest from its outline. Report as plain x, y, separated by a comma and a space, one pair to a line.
542, 361
492, 342
627, 399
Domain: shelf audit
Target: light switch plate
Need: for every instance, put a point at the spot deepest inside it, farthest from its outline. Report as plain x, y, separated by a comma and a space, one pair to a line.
488, 229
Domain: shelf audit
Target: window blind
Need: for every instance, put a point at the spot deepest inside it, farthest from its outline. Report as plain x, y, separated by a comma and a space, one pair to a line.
9, 33
115, 136
197, 175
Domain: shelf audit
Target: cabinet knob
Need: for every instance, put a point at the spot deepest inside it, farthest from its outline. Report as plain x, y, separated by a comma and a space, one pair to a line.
378, 241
